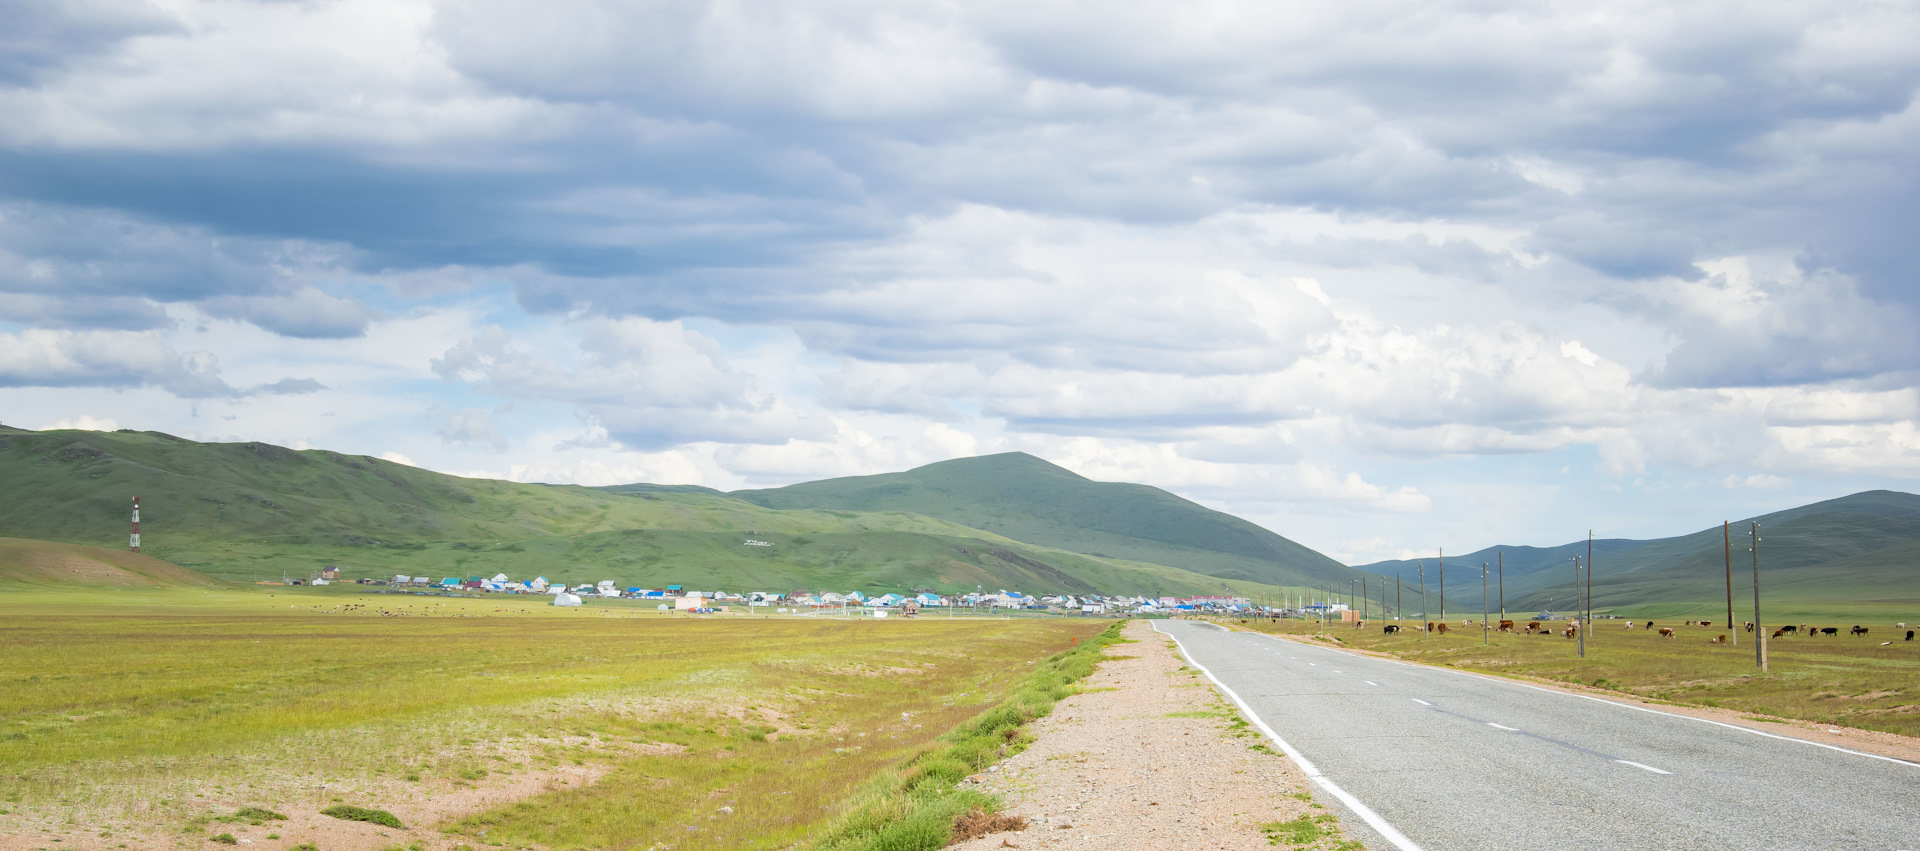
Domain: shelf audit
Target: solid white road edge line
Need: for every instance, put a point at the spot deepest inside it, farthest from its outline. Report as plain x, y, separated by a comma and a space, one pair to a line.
1503, 680
1517, 729
1373, 819
1421, 702
1638, 765
1372, 683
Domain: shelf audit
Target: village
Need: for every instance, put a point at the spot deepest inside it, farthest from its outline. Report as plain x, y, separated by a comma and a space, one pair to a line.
910, 603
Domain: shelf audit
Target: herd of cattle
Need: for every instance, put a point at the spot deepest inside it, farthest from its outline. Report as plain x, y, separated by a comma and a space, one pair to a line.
1573, 628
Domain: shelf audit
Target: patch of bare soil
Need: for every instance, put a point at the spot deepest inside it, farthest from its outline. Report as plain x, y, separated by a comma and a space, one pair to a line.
418, 805
1148, 756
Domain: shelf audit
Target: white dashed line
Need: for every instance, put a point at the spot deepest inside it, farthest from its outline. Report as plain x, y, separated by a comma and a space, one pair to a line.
1638, 765
1372, 683
1510, 729
1421, 702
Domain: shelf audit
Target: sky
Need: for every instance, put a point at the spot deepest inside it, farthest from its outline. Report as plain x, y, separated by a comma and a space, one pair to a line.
1384, 277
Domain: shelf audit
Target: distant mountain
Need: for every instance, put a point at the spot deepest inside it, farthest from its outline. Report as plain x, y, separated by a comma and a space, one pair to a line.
1028, 499
1863, 547
248, 511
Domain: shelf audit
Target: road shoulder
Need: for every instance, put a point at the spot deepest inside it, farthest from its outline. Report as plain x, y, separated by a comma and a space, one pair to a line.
1150, 755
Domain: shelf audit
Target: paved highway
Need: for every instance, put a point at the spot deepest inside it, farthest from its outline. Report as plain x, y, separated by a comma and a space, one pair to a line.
1438, 759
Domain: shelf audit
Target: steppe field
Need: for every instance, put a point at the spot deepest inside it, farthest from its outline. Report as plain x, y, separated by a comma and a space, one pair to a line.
194, 717
1843, 680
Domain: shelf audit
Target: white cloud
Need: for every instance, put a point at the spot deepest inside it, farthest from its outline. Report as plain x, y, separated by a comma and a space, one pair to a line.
85, 423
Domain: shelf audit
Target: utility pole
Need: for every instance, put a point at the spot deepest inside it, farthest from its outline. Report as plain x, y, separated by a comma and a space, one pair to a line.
1442, 563
133, 543
1502, 555
1587, 626
1397, 611
1363, 598
1726, 538
1424, 632
1759, 632
1486, 629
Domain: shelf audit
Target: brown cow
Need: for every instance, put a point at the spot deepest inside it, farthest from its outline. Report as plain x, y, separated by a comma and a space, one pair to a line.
1569, 632
1721, 640
1506, 626
1706, 623
1441, 627
1533, 627
1666, 632
1779, 632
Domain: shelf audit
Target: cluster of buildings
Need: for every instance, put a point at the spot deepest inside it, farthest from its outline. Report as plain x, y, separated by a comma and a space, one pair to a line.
682, 598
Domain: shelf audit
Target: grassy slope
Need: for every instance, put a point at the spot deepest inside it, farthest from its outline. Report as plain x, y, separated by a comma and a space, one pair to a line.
1859, 548
29, 563
255, 511
1028, 499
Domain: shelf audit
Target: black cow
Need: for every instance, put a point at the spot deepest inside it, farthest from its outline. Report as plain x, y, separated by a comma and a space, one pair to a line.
1858, 630
1391, 628
1829, 630
1909, 635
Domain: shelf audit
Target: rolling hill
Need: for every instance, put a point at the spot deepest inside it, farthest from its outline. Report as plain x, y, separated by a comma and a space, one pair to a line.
1859, 548
249, 511
26, 562
1027, 499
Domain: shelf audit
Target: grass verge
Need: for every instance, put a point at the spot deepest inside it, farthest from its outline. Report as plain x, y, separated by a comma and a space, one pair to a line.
914, 807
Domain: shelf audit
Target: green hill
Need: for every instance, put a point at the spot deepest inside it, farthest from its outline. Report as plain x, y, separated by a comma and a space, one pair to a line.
1030, 500
1863, 548
251, 511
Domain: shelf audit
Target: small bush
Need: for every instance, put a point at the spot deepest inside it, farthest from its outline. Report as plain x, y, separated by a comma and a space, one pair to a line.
352, 813
251, 815
224, 839
305, 846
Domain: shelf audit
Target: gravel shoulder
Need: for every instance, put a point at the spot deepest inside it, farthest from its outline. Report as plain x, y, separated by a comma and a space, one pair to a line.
1149, 755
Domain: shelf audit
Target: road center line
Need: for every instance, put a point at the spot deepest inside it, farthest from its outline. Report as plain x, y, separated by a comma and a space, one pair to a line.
1503, 727
1421, 702
1372, 683
1638, 765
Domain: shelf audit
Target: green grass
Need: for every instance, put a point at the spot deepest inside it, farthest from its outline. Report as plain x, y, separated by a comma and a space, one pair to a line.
1842, 681
348, 812
170, 708
914, 808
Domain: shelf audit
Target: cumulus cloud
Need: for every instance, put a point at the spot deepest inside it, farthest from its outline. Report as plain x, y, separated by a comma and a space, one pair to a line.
649, 384
475, 426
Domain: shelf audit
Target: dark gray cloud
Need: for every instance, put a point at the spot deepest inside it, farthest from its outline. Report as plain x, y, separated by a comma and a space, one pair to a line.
41, 36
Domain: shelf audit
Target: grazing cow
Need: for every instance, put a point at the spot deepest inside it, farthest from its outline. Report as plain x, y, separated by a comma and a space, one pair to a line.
1666, 632
1441, 627
1506, 626
1721, 640
1629, 624
1570, 631
1788, 629
1858, 630
1706, 623
1779, 632
1391, 628
1829, 630
1649, 624
1533, 627
1909, 635
1359, 624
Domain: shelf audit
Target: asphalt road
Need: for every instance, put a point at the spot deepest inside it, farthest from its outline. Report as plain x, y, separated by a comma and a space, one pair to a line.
1452, 760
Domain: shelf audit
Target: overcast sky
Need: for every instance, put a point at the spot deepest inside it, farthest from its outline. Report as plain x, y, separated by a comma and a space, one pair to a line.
1384, 277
